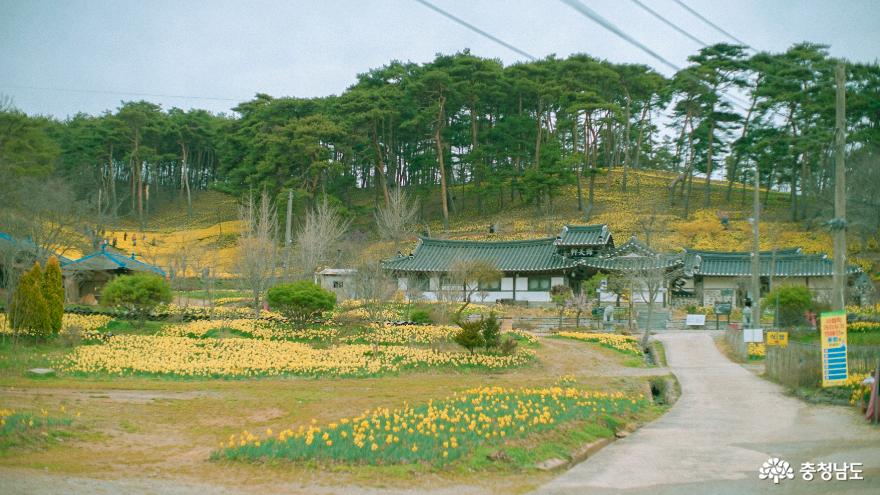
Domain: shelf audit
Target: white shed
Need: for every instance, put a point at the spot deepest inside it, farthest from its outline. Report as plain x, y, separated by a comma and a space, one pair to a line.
338, 280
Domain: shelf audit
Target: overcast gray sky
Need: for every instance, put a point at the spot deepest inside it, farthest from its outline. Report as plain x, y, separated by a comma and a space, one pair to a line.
109, 50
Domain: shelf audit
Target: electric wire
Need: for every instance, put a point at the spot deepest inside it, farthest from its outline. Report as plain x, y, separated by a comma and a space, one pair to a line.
475, 29
712, 24
110, 92
669, 23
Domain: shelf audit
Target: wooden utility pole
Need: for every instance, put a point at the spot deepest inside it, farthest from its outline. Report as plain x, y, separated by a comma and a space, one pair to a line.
756, 254
838, 224
287, 231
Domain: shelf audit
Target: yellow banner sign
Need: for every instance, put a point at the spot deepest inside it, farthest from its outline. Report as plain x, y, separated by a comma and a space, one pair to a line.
834, 363
777, 338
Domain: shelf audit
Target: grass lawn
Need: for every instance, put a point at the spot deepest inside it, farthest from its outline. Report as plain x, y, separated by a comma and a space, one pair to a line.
852, 338
214, 294
149, 427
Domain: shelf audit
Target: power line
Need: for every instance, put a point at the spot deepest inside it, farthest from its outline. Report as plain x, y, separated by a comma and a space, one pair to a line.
476, 29
594, 16
120, 93
598, 19
710, 23
670, 23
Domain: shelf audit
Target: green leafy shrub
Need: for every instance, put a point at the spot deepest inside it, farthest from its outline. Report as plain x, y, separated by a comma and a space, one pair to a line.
139, 293
421, 316
791, 302
301, 301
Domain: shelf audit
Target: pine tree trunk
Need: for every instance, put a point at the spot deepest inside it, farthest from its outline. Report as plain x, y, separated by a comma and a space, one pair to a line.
707, 200
440, 152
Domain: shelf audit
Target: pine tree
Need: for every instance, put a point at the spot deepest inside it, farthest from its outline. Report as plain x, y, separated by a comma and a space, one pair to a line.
53, 291
28, 311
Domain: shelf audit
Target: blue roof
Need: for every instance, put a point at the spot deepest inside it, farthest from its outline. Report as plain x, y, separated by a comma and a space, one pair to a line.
106, 260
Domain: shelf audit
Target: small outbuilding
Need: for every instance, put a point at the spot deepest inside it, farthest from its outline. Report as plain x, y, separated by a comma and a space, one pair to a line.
86, 277
340, 281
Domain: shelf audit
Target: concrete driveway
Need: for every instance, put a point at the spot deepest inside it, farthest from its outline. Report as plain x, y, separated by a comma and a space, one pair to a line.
725, 425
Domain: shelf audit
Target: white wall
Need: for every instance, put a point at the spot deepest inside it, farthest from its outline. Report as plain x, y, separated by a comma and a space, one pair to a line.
491, 297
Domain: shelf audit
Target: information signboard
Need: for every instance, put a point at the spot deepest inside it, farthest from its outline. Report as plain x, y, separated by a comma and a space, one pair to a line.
777, 339
695, 320
753, 335
834, 364
723, 308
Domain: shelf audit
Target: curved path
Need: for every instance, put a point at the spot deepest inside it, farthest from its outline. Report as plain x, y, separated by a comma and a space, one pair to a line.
725, 425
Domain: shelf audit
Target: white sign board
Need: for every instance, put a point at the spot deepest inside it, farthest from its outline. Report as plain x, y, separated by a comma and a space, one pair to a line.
753, 335
695, 320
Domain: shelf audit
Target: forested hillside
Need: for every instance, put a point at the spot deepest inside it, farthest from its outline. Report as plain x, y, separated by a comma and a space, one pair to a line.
476, 143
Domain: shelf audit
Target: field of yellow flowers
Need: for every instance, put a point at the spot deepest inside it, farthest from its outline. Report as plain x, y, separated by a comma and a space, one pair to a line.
229, 358
436, 432
88, 326
372, 333
626, 344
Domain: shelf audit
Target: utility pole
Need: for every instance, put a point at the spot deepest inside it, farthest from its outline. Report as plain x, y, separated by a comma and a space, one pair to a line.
838, 224
287, 233
756, 254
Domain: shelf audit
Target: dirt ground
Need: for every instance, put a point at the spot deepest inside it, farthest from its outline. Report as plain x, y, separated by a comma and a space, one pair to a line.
147, 435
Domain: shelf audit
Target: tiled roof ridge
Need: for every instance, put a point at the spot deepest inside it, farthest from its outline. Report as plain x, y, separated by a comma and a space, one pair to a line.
490, 243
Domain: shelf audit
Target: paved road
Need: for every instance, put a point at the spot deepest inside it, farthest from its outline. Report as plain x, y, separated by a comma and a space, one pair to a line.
727, 422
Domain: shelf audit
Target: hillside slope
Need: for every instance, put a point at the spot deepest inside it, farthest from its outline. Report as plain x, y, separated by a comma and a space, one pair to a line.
208, 236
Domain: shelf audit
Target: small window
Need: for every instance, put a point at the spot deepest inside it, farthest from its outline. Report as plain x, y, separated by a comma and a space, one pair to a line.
337, 284
491, 286
539, 283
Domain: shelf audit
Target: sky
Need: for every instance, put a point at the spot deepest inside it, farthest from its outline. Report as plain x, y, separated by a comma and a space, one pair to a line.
62, 57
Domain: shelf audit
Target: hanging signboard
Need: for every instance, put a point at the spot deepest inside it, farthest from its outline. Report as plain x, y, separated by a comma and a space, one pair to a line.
834, 365
755, 335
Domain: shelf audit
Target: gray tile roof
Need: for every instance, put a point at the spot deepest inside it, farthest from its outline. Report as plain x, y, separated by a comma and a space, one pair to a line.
439, 255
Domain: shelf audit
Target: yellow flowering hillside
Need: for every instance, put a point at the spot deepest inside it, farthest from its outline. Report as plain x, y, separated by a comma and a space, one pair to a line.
209, 237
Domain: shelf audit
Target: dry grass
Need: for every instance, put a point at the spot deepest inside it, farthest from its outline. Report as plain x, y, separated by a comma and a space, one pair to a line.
211, 232
166, 428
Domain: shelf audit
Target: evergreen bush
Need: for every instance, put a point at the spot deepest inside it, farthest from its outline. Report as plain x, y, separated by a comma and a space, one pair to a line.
53, 291
301, 301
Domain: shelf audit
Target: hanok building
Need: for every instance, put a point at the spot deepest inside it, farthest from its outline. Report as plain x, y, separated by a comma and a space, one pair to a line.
530, 268
86, 277
726, 276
